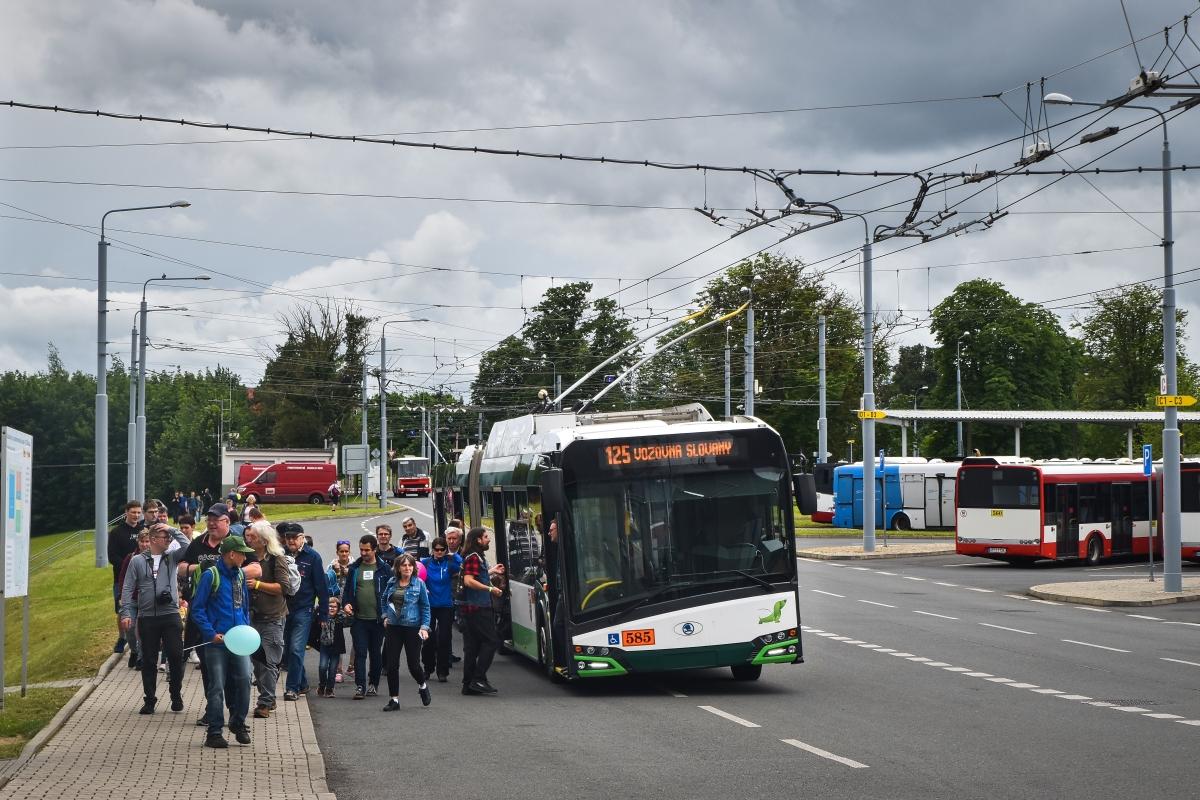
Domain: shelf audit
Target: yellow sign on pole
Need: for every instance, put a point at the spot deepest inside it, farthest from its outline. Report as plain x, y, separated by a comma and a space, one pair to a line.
1167, 400
882, 414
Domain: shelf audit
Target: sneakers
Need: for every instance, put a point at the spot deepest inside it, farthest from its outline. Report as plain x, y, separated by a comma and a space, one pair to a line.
329, 691
487, 687
337, 678
472, 688
262, 712
242, 735
303, 690
119, 647
202, 722
162, 667
359, 693
441, 678
392, 705
426, 697
193, 657
321, 690
134, 662
177, 704
147, 707
290, 696
216, 741
372, 691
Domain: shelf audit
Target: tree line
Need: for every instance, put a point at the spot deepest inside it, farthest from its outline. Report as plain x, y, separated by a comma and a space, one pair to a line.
1012, 355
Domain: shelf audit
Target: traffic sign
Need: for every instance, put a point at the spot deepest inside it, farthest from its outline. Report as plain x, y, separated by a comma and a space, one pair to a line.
354, 459
1175, 400
877, 414
375, 453
1147, 459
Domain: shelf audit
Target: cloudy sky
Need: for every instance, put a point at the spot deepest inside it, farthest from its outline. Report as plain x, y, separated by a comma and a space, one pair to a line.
466, 241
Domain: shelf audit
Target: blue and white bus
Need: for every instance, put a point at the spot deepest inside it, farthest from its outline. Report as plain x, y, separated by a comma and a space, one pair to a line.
910, 494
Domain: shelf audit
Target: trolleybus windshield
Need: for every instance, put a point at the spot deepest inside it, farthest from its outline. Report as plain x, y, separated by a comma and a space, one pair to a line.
673, 533
998, 487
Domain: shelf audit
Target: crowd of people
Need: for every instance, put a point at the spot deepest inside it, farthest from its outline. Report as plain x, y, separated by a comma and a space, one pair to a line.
180, 590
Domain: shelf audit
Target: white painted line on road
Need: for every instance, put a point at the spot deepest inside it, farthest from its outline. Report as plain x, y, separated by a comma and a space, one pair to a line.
1097, 646
920, 659
839, 566
416, 511
901, 655
1194, 624
1188, 721
1101, 704
1072, 697
1093, 608
978, 674
745, 723
1001, 680
883, 572
957, 669
969, 564
831, 594
1144, 616
869, 646
827, 634
911, 578
1047, 691
943, 583
816, 751
862, 569
1043, 602
1131, 709
1013, 630
855, 641
973, 589
674, 693
1181, 661
1023, 685
873, 603
840, 638
931, 614
1164, 716
809, 560
937, 664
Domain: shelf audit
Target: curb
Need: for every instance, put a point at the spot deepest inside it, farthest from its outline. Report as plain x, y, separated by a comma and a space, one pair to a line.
58, 720
817, 556
1095, 601
316, 759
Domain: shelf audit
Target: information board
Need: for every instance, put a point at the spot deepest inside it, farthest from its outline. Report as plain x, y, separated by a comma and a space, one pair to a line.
16, 469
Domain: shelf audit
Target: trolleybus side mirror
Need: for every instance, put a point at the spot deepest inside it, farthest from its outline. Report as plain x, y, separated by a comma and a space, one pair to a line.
553, 498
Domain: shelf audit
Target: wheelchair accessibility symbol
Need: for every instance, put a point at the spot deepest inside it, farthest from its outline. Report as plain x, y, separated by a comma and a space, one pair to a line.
614, 638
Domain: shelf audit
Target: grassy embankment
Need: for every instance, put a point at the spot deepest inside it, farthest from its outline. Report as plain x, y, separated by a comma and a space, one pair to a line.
71, 632
350, 506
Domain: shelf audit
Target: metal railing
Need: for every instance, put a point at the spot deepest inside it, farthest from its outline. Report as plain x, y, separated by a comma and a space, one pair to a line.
69, 544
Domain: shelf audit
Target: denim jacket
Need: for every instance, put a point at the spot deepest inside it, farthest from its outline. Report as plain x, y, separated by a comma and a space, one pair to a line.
415, 610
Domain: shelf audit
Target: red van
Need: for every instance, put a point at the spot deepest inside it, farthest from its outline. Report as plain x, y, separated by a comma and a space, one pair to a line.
287, 481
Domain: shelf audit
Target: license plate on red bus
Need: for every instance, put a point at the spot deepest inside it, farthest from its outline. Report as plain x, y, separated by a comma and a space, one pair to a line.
638, 638
998, 550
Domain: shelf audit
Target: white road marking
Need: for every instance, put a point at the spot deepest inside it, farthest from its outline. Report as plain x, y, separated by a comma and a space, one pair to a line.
957, 669
840, 638
1001, 627
1047, 691
884, 650
816, 751
1101, 704
809, 560
745, 723
1181, 661
974, 589
1194, 624
978, 674
931, 614
1164, 716
901, 655
1023, 685
883, 572
839, 566
870, 646
826, 634
873, 603
1001, 680
1043, 602
920, 659
831, 594
1131, 709
943, 583
1188, 721
1097, 646
854, 641
672, 692
1072, 697
937, 664
1143, 616
911, 578
862, 569
1093, 608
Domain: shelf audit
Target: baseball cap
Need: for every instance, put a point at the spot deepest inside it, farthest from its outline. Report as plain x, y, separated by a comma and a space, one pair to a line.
235, 544
218, 510
285, 528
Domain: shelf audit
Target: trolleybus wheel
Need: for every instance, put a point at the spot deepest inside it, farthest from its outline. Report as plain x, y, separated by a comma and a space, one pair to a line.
746, 672
902, 522
1095, 550
545, 657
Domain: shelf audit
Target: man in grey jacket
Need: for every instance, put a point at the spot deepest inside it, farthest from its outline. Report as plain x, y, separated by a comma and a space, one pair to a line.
151, 587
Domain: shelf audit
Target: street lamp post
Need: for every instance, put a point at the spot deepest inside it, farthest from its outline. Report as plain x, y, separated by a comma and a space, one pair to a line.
1172, 568
749, 376
958, 391
728, 329
139, 470
101, 422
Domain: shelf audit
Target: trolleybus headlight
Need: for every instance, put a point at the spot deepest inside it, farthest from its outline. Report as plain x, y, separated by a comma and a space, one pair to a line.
603, 651
591, 651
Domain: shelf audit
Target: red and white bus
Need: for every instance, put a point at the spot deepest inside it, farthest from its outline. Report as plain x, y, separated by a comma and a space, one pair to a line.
412, 476
1019, 510
1189, 508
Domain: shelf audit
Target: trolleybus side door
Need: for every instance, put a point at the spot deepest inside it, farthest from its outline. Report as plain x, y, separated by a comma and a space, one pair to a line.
1068, 525
1122, 518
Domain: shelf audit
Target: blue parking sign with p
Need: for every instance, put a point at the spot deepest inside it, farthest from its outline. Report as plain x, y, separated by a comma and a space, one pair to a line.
1147, 459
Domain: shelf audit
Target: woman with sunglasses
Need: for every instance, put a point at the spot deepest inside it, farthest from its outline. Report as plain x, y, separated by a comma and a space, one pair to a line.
440, 569
406, 626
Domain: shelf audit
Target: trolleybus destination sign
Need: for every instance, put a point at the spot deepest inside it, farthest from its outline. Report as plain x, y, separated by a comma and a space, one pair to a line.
673, 452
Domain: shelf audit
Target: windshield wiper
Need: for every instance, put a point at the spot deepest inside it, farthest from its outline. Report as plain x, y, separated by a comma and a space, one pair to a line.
767, 585
650, 598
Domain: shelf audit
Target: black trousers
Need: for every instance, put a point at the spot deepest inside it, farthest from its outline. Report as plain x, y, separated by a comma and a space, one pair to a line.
166, 633
480, 641
408, 639
436, 652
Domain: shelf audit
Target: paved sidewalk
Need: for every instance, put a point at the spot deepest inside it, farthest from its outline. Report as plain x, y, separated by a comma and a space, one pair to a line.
1122, 592
107, 750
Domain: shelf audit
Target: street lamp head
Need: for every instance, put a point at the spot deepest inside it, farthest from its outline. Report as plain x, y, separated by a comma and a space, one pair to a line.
180, 204
1058, 99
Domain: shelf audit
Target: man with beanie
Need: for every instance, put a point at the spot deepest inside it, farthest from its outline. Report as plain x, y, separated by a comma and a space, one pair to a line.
221, 602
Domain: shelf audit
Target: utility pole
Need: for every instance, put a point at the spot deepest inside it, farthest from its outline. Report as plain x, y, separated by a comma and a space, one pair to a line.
479, 435
131, 439
822, 417
749, 345
958, 392
728, 409
383, 451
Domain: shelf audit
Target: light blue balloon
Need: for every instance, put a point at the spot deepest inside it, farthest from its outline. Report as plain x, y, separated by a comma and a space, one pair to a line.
242, 640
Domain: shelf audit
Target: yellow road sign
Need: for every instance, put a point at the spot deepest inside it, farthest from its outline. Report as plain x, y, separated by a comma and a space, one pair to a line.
882, 414
1170, 400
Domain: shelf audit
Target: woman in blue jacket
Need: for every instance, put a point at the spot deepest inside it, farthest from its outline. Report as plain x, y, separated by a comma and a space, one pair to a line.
440, 569
406, 626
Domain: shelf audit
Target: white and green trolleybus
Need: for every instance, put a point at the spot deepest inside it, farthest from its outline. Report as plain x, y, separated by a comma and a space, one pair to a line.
675, 546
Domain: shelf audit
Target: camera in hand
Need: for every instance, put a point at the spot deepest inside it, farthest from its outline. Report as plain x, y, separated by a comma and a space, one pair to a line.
164, 597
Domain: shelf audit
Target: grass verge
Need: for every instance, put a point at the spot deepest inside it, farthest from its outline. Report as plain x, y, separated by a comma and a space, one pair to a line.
350, 506
23, 717
807, 529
